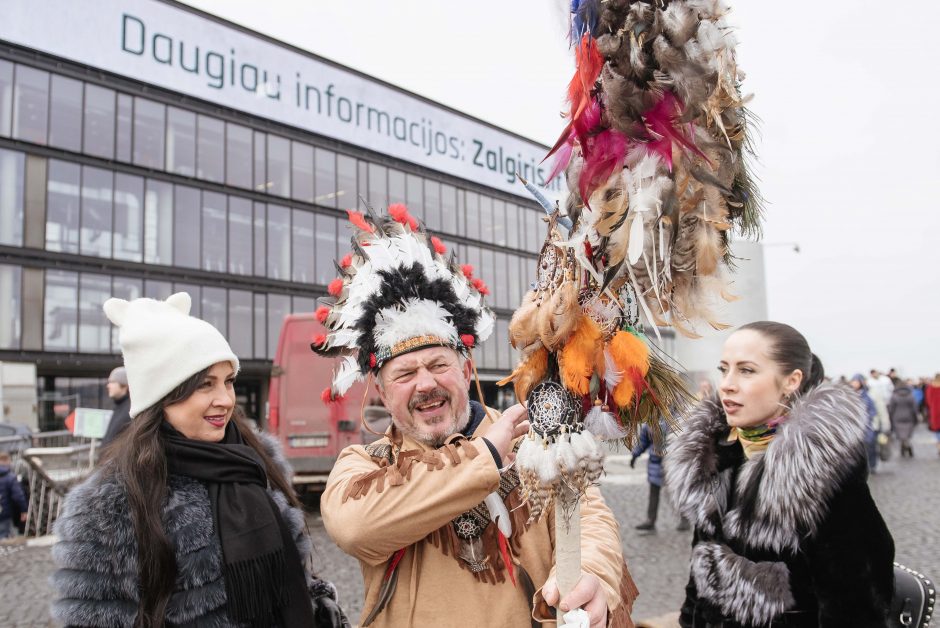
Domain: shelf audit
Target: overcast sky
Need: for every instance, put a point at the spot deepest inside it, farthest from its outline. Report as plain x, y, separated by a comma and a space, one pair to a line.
848, 147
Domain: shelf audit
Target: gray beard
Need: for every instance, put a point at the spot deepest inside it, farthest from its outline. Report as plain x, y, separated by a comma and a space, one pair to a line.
438, 440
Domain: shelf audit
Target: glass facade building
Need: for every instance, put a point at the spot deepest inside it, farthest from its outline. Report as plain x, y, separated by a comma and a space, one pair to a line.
112, 186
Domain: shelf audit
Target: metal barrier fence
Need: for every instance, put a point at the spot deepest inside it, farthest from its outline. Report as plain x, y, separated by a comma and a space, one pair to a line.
52, 462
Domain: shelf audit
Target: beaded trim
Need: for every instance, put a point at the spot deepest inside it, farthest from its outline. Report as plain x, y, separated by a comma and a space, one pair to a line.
387, 353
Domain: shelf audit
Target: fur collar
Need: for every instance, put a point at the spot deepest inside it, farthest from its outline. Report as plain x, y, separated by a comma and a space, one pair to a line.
782, 493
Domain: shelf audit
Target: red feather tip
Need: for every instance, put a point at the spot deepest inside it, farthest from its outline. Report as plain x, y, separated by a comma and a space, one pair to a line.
372, 360
412, 222
359, 220
346, 262
467, 340
467, 270
322, 313
335, 287
319, 340
399, 213
480, 286
438, 245
327, 396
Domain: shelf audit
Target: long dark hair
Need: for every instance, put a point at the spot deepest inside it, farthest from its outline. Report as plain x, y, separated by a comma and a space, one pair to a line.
138, 460
790, 350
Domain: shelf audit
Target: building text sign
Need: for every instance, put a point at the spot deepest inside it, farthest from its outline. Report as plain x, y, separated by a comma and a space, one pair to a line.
178, 50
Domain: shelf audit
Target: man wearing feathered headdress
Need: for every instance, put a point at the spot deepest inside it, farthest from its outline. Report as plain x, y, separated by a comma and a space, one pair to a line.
433, 510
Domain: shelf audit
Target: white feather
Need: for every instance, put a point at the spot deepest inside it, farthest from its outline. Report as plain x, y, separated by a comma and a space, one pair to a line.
499, 514
565, 456
341, 338
527, 458
612, 374
484, 325
345, 376
635, 244
548, 466
415, 317
603, 425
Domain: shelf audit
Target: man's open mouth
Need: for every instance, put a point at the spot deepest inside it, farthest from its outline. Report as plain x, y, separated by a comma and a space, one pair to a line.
431, 405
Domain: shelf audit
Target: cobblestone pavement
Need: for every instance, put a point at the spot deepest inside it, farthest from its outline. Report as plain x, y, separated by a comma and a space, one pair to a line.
905, 491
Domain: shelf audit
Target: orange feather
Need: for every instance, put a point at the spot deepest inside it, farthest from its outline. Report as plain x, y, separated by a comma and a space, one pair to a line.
629, 353
528, 373
577, 358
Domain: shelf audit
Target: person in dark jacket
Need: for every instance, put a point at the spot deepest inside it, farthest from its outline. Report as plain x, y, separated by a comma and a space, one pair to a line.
773, 474
191, 519
13, 503
121, 416
902, 408
654, 474
871, 413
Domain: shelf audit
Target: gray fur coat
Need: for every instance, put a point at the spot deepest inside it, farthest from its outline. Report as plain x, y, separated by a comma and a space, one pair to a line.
96, 581
791, 536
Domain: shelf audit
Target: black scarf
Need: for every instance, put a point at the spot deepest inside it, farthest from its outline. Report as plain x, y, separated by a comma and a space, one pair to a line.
265, 583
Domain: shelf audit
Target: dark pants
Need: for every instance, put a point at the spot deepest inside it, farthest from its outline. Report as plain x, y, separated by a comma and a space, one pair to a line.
652, 509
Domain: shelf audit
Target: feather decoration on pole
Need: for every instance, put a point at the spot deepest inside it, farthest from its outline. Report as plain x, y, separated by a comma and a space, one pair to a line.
655, 157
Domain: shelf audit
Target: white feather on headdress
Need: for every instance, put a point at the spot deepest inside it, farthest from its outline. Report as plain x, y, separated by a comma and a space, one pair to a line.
415, 317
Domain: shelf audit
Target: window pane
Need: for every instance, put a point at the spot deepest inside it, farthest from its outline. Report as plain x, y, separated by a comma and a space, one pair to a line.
94, 330
194, 293
238, 156
6, 97
488, 273
239, 236
396, 186
302, 246
303, 305
515, 281
11, 312
499, 222
214, 241
432, 204
278, 308
326, 178
346, 187
302, 172
260, 149
448, 209
362, 187
278, 181
11, 197
326, 249
158, 290
239, 318
149, 118
486, 218
210, 152
502, 344
536, 233
158, 223
125, 108
472, 212
278, 242
65, 115
126, 288
512, 225
215, 308
60, 311
99, 121
261, 327
97, 198
128, 217
186, 231
378, 187
180, 142
415, 194
62, 207
30, 104
260, 239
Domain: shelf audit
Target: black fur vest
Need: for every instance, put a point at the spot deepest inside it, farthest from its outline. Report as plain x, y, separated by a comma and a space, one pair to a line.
96, 554
790, 537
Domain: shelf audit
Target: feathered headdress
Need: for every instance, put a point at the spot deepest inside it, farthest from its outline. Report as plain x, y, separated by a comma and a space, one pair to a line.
397, 293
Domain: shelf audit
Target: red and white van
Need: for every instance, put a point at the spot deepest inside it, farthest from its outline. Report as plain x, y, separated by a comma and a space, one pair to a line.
311, 432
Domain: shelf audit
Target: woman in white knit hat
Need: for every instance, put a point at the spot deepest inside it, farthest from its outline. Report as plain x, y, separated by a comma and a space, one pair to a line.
191, 520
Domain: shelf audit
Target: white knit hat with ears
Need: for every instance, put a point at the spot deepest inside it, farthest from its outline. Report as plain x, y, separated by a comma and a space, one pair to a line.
163, 346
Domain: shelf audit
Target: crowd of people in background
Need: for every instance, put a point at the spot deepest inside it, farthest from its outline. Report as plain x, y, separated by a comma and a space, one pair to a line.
895, 406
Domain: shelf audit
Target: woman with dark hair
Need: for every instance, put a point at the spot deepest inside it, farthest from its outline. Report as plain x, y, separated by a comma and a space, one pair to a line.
773, 473
190, 520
